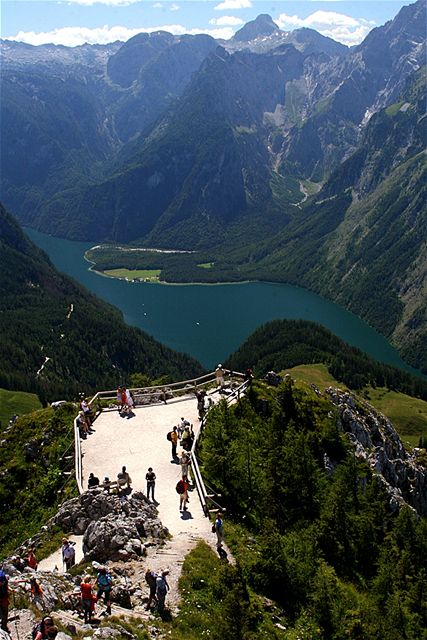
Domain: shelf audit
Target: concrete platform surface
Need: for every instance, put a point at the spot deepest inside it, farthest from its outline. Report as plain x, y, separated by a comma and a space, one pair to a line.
138, 442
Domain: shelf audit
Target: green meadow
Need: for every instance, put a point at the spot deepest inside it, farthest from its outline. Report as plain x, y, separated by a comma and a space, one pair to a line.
16, 403
147, 275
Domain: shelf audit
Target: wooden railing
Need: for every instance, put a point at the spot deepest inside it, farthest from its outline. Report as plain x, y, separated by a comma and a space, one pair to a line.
155, 394
204, 496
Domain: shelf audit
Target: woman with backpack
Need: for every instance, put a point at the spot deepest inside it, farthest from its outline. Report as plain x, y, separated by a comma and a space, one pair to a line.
104, 582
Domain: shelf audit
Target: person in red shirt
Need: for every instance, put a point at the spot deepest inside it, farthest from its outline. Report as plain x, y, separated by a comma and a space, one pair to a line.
87, 598
31, 559
182, 489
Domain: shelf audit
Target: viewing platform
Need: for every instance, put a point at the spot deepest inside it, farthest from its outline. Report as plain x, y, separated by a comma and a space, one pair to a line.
138, 441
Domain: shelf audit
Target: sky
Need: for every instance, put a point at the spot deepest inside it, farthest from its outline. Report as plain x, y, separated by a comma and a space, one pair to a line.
74, 22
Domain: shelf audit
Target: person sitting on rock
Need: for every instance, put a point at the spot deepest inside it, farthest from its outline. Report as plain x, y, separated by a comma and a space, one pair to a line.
18, 563
124, 481
92, 481
106, 484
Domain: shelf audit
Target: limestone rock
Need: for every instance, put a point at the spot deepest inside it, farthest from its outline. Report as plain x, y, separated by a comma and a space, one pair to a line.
375, 440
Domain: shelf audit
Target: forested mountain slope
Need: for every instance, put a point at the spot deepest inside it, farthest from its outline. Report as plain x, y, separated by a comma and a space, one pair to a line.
282, 156
58, 339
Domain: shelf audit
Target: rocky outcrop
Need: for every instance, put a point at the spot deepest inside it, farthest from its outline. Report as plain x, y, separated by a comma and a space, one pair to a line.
114, 528
375, 440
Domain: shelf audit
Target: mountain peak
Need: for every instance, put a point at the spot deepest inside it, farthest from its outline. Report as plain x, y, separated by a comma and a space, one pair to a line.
263, 25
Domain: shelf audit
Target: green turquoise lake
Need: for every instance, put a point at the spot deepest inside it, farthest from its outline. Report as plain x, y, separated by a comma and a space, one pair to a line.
209, 322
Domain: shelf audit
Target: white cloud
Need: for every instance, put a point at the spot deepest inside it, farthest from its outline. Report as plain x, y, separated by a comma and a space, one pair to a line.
338, 26
233, 4
157, 5
174, 7
230, 21
75, 36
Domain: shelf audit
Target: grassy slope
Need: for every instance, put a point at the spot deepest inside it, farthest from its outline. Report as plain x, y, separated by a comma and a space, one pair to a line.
408, 414
16, 403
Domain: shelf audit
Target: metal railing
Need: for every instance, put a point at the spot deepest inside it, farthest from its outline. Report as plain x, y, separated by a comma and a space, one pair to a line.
155, 394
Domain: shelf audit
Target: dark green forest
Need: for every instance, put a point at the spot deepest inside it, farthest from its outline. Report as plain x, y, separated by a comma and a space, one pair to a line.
323, 545
283, 344
48, 319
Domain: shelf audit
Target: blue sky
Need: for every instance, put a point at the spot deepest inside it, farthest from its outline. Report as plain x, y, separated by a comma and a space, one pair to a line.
73, 22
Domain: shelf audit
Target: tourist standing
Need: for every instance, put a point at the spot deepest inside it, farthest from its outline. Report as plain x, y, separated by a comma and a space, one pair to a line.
174, 441
104, 582
219, 374
151, 580
68, 554
219, 530
182, 489
162, 587
150, 477
185, 462
31, 559
87, 598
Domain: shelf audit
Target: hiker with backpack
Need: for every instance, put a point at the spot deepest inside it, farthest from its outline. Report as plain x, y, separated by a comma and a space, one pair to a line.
172, 436
104, 582
4, 600
162, 587
151, 580
182, 490
219, 530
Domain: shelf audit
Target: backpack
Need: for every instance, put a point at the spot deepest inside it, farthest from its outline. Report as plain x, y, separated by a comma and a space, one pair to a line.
180, 487
150, 578
168, 436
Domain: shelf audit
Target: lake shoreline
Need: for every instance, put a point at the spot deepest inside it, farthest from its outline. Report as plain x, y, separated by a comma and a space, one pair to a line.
211, 320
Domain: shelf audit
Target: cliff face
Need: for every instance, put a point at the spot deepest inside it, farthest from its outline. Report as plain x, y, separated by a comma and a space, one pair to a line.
375, 440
